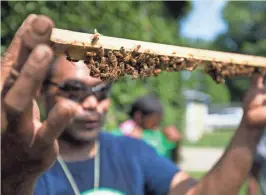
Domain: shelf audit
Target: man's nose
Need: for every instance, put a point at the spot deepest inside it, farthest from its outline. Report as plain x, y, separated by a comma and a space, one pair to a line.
90, 103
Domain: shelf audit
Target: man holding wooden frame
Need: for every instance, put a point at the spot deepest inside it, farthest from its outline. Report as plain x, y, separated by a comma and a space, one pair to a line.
30, 148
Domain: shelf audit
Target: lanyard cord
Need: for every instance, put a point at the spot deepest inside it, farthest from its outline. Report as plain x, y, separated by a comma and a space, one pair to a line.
96, 171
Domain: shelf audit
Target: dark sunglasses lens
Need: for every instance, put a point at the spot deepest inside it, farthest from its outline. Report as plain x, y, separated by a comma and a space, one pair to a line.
102, 94
78, 92
72, 86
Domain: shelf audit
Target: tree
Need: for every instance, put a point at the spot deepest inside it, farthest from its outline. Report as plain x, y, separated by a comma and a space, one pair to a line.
147, 21
246, 34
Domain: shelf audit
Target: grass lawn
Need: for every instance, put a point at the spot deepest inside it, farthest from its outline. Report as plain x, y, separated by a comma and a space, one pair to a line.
219, 138
198, 175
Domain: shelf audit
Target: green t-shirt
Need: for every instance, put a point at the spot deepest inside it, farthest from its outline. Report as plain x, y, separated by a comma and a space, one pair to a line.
157, 140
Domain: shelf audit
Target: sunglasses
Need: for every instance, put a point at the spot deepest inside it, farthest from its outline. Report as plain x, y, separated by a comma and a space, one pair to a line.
78, 91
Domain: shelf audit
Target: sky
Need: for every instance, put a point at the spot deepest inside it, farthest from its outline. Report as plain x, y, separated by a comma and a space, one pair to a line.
205, 21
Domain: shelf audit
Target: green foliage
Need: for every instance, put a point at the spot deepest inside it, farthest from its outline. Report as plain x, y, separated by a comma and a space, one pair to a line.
167, 87
147, 21
246, 34
199, 80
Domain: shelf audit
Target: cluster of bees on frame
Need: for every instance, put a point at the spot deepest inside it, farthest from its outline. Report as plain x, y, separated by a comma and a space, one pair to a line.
220, 71
111, 65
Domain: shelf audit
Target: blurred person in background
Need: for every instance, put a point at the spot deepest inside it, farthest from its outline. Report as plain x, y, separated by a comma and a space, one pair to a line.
146, 114
257, 177
68, 153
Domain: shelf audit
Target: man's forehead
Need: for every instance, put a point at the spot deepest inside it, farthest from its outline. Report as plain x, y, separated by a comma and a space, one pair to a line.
66, 70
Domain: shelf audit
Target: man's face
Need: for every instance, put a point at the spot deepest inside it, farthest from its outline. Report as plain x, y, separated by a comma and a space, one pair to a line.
72, 81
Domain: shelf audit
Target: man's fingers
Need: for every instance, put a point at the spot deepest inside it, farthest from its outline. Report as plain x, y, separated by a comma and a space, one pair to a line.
259, 115
257, 81
9, 58
30, 79
57, 120
10, 55
37, 31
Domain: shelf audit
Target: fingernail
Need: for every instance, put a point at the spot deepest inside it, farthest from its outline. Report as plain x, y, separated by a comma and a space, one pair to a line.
41, 53
40, 25
29, 19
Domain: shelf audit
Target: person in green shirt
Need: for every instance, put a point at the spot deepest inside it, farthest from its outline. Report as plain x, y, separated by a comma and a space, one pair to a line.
146, 114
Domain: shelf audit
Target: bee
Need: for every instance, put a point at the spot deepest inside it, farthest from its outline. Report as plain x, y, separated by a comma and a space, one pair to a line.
121, 73
156, 60
219, 79
95, 73
224, 73
145, 66
151, 62
190, 55
112, 59
135, 75
97, 65
142, 74
123, 51
91, 61
147, 51
110, 54
95, 37
179, 60
164, 59
103, 66
104, 76
94, 69
218, 66
251, 69
90, 54
114, 62
122, 66
127, 58
141, 58
191, 65
71, 60
133, 61
101, 52
157, 71
129, 69
191, 68
216, 76
103, 60
118, 54
135, 50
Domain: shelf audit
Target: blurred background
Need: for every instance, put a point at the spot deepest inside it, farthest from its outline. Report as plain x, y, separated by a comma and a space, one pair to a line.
205, 113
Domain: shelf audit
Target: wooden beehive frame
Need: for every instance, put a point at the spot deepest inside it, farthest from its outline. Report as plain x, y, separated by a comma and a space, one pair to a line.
83, 46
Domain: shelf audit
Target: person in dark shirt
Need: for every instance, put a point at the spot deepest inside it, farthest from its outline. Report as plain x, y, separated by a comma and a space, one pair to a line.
69, 154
